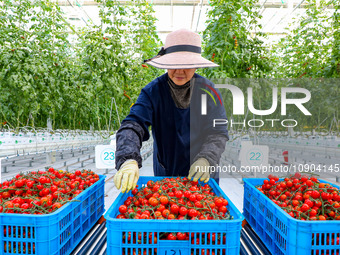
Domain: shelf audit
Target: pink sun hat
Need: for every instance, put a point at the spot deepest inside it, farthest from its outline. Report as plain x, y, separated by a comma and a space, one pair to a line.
182, 50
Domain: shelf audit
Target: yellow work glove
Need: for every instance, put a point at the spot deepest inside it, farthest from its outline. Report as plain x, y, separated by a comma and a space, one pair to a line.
127, 176
200, 170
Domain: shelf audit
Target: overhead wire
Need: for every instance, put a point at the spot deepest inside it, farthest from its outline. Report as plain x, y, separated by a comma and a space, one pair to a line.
272, 17
76, 10
81, 7
172, 14
199, 16
69, 25
288, 15
192, 18
262, 6
297, 6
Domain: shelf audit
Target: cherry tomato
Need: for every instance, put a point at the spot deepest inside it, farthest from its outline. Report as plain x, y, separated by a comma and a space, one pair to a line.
171, 237
164, 200
122, 209
192, 213
174, 209
153, 201
165, 213
19, 183
183, 211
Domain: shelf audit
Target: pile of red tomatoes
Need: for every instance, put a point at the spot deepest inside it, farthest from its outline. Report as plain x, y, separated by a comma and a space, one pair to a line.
174, 199
43, 192
303, 197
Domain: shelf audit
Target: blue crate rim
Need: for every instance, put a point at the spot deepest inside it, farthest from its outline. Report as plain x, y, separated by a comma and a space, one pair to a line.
239, 215
80, 196
285, 213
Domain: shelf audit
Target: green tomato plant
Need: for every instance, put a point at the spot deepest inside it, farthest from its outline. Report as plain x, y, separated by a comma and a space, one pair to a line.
34, 51
306, 50
310, 52
45, 76
230, 44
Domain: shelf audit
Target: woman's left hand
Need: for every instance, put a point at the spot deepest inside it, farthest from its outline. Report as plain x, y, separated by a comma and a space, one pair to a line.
200, 170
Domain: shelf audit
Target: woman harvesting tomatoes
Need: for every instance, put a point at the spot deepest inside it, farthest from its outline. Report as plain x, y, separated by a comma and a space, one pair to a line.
185, 141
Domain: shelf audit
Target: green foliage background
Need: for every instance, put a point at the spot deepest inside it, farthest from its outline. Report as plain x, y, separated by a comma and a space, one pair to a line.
310, 50
52, 70
43, 75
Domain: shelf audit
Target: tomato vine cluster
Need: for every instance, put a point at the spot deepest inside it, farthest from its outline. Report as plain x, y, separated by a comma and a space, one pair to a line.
43, 192
303, 198
174, 198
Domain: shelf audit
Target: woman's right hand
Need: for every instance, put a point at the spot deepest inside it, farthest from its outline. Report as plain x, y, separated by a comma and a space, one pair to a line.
127, 176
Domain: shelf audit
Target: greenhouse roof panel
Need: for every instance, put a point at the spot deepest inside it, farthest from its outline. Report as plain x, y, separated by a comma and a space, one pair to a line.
192, 14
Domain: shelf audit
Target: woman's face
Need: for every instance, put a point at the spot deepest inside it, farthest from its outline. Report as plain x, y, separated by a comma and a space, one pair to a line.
181, 76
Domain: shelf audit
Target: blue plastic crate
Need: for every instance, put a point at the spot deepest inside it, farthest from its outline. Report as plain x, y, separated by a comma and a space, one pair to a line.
283, 234
57, 233
230, 230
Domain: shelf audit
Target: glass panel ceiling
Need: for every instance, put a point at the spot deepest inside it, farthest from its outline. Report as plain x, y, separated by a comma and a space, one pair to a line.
191, 14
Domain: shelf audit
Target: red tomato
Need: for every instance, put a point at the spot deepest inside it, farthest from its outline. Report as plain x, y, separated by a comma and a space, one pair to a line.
192, 197
8, 204
165, 213
192, 213
198, 204
171, 237
164, 200
187, 194
181, 236
157, 214
122, 209
161, 208
283, 185
45, 191
156, 195
42, 180
150, 183
29, 184
153, 201
6, 194
179, 194
19, 183
312, 213
144, 217
223, 209
174, 209
183, 211
304, 208
135, 191
212, 205
218, 202
18, 200
304, 178
56, 206
171, 217
147, 212
309, 183
156, 188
